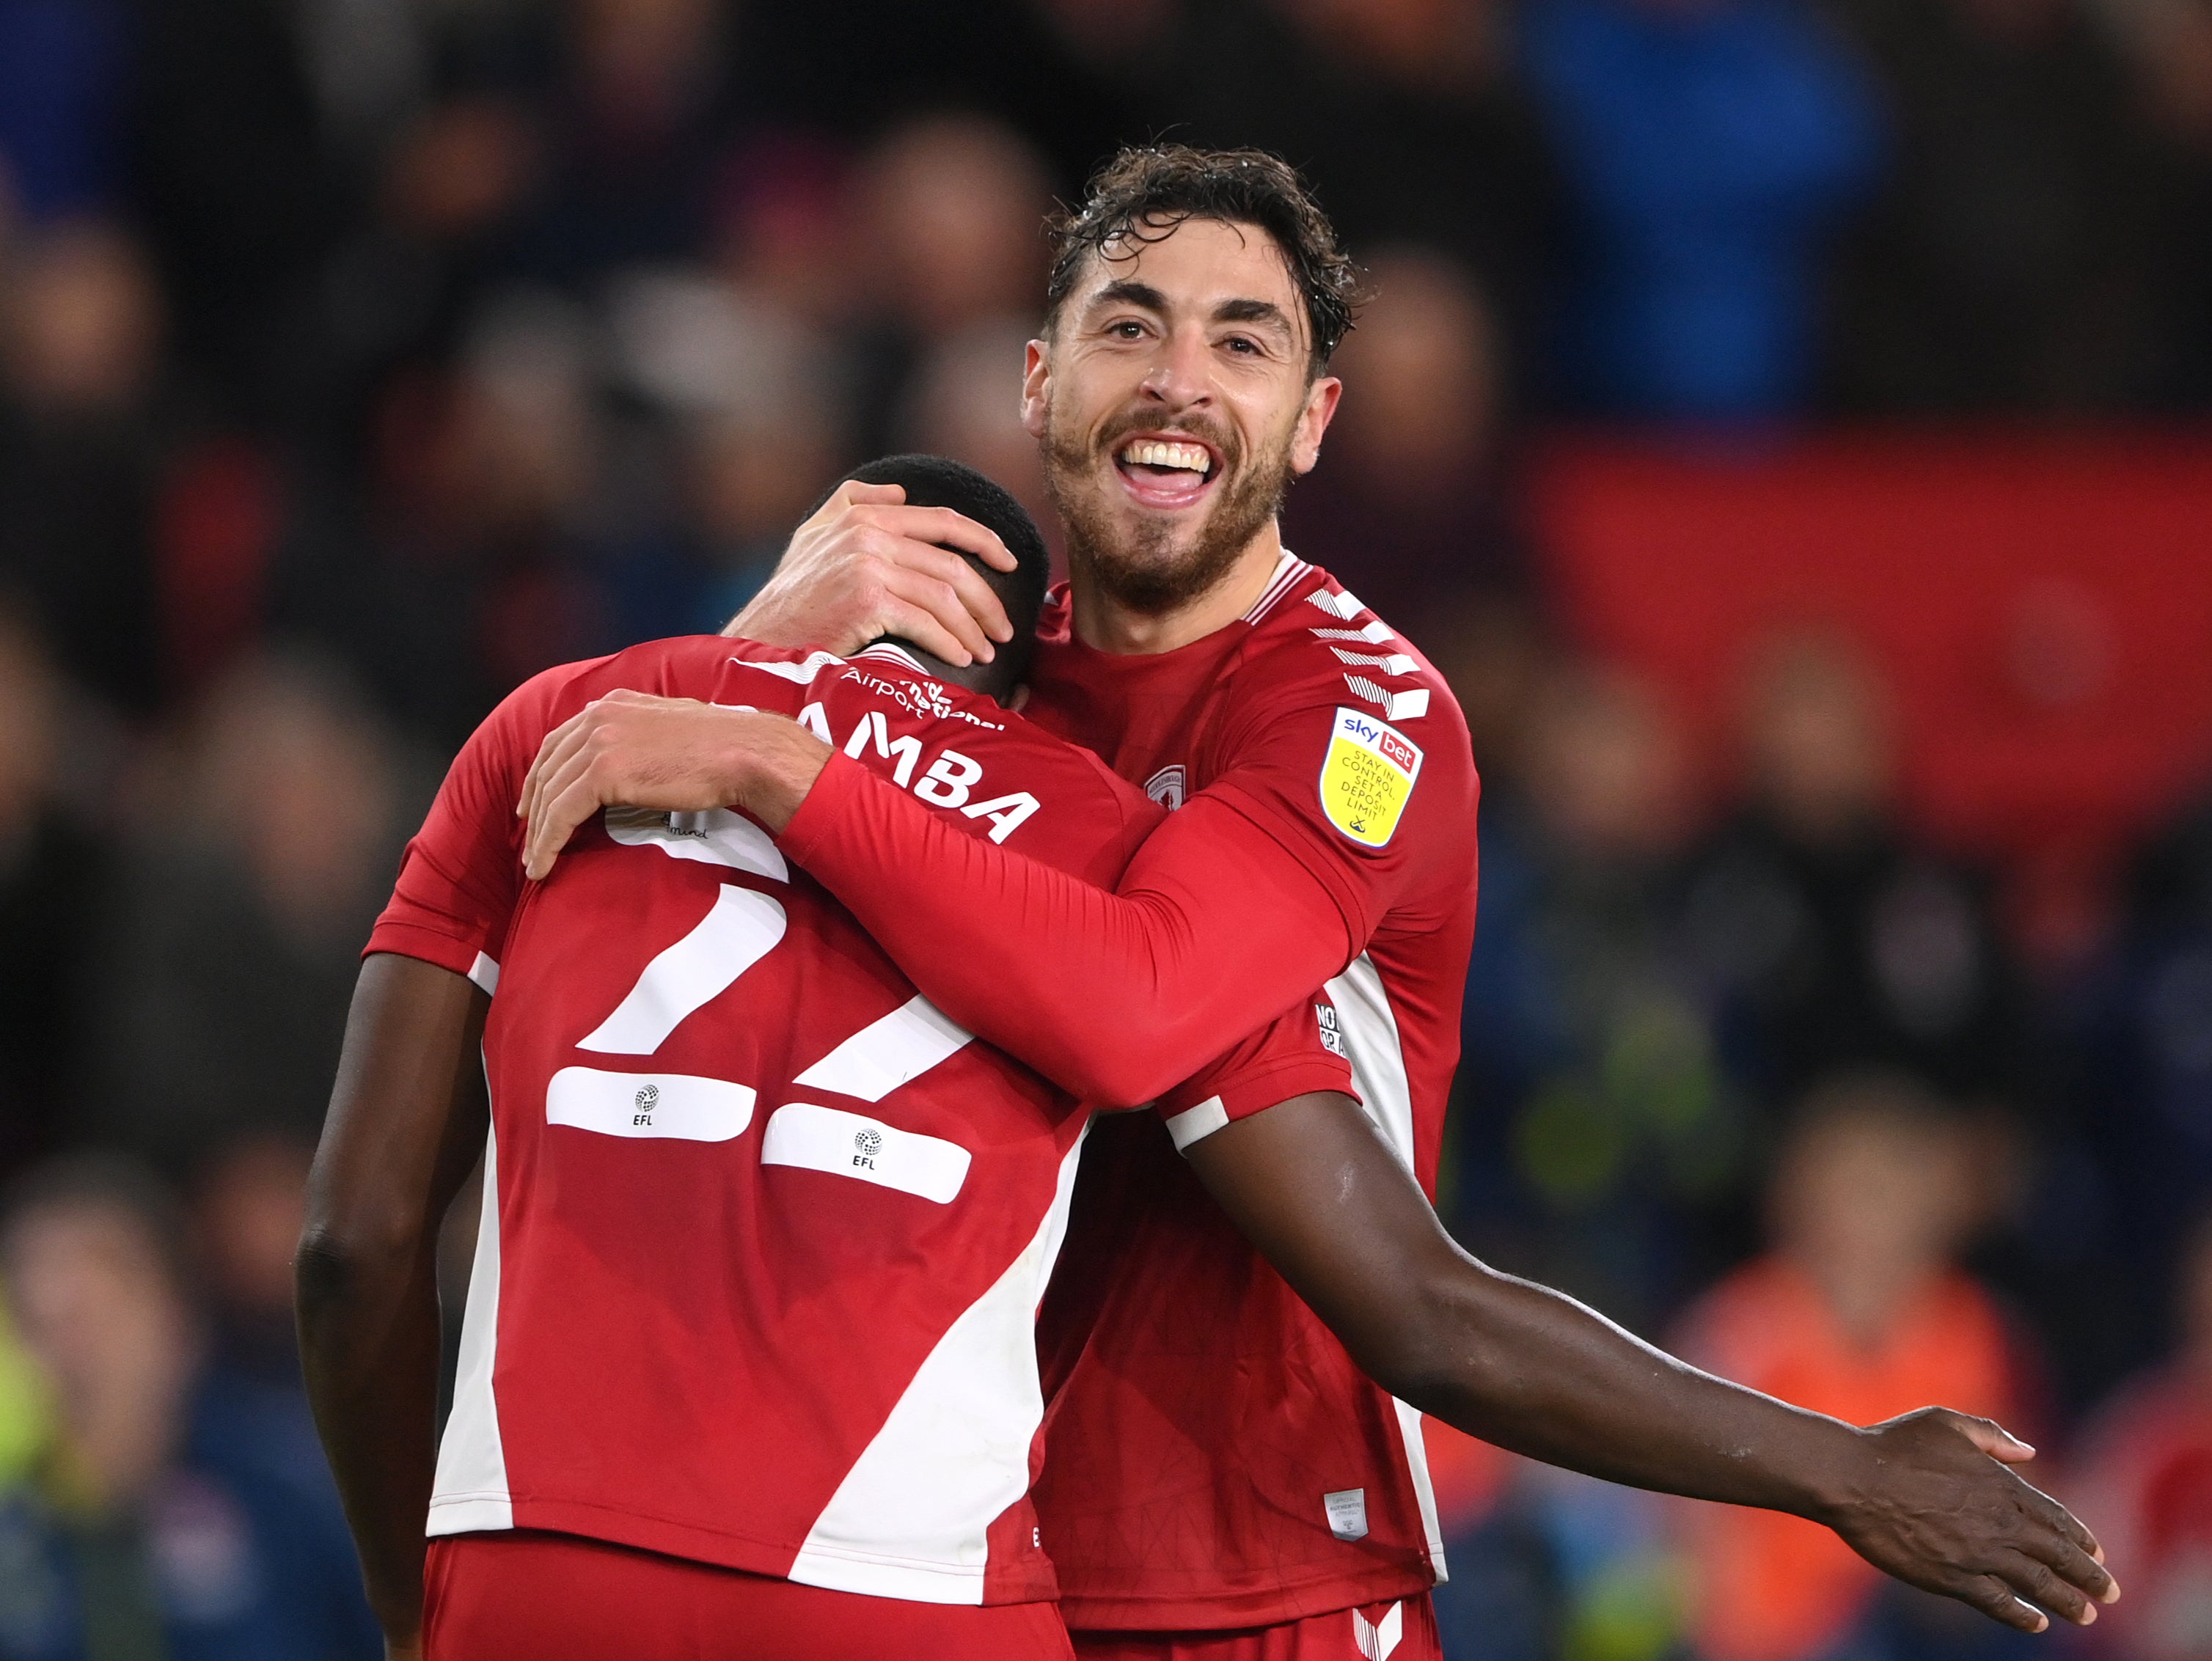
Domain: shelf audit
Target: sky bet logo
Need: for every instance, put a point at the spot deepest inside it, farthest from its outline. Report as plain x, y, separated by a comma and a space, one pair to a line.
1366, 777
1377, 736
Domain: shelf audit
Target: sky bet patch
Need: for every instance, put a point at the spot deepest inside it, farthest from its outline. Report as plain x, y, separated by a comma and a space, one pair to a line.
1367, 777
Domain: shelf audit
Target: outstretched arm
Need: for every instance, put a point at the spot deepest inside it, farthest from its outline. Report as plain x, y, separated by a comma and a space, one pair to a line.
1928, 1497
1215, 930
407, 1121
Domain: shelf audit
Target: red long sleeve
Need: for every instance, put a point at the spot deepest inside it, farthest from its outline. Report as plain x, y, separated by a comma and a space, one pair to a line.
1217, 928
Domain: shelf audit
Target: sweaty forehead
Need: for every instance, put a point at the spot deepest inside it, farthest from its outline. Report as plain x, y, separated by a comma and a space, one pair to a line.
1199, 265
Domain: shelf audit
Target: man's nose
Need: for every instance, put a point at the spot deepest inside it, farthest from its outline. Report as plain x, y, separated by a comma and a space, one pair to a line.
1180, 377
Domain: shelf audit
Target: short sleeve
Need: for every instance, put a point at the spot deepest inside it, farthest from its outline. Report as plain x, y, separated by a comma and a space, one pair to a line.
461, 877
1297, 1053
1374, 808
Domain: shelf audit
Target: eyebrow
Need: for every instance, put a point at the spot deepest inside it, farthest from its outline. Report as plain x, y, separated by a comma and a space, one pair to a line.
1131, 291
1254, 311
1128, 291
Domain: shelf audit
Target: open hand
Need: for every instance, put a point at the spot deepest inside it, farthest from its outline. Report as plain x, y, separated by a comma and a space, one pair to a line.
866, 565
1940, 1509
674, 754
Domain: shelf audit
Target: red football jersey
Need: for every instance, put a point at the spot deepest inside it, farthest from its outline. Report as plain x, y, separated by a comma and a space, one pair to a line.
1214, 1459
758, 1278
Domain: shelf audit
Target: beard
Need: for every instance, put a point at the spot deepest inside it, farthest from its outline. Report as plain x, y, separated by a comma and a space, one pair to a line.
1144, 569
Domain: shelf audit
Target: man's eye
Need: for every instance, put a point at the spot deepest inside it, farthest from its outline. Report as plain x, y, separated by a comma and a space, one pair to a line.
1125, 331
1243, 344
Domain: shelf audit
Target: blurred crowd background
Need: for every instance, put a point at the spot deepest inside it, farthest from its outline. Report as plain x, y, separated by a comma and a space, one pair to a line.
1783, 419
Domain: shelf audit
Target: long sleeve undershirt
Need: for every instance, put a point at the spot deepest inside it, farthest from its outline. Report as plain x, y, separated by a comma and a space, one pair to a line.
1216, 929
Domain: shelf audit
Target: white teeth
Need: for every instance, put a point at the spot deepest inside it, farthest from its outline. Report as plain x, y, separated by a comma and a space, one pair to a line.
1154, 452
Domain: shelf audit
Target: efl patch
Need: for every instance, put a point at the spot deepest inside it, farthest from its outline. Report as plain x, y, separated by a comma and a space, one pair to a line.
1367, 777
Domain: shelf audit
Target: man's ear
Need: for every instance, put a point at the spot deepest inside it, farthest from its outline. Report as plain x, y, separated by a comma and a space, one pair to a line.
1313, 422
1036, 381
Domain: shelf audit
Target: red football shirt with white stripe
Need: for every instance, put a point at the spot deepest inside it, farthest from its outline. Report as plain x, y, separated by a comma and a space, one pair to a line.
1214, 1457
758, 1280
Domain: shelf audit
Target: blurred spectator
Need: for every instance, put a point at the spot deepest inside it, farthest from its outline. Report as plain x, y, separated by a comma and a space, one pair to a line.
1832, 935
2170, 42
952, 236
644, 104
1857, 1310
2145, 1084
81, 451
25, 1407
780, 228
229, 957
854, 67
155, 1526
50, 881
2147, 1478
1405, 114
1711, 150
464, 567
242, 181
963, 401
1413, 499
2021, 253
954, 210
249, 1207
61, 75
1496, 649
1597, 1124
753, 396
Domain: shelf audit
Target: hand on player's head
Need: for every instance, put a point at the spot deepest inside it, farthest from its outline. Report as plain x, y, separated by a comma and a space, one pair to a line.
866, 564
937, 483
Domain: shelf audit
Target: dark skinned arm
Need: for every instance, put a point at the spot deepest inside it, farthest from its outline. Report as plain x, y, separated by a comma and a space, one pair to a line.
407, 1122
1927, 1497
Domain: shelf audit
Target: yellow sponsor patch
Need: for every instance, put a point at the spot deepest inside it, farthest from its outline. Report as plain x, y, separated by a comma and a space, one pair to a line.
1367, 777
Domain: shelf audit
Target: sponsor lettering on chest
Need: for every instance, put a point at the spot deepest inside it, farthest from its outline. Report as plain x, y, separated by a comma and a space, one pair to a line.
1367, 777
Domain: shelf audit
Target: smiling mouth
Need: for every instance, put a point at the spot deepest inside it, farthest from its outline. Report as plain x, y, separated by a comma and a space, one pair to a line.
1162, 472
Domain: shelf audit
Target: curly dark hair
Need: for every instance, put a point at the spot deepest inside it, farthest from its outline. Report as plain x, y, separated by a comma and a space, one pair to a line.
1144, 192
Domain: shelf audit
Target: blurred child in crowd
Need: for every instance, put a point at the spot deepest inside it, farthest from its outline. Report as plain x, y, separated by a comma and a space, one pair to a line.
1858, 1310
154, 1524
